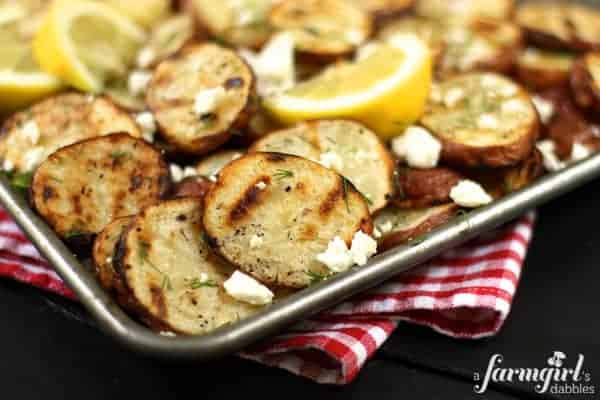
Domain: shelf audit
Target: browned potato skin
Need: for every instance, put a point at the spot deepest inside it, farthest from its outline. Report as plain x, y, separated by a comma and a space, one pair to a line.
391, 10
585, 91
418, 188
398, 238
44, 188
193, 186
205, 143
541, 78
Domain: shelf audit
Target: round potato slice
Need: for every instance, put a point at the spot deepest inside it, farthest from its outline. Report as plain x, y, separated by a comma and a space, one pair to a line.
431, 31
322, 28
560, 25
81, 188
103, 254
240, 23
345, 146
166, 39
383, 10
418, 188
174, 279
216, 74
465, 10
542, 69
482, 119
30, 136
210, 165
192, 186
397, 226
585, 82
271, 214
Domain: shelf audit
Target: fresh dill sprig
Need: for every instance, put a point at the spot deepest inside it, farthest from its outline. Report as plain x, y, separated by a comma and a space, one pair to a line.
196, 283
283, 174
316, 277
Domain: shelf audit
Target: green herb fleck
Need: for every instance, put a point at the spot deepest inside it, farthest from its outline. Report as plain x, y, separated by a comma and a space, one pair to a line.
196, 283
143, 255
283, 174
316, 277
166, 283
345, 183
73, 233
120, 155
461, 212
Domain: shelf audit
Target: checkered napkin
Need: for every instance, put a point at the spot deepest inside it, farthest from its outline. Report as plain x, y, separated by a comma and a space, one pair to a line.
465, 293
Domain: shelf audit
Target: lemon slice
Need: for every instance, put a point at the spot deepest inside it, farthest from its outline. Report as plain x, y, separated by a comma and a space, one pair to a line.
21, 80
386, 90
86, 43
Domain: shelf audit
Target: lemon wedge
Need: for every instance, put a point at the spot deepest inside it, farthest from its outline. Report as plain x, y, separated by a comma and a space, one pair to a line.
386, 90
21, 80
86, 43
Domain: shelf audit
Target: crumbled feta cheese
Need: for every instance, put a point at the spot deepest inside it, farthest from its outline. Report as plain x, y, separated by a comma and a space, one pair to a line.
457, 35
203, 278
167, 333
331, 160
362, 155
212, 178
365, 51
467, 193
261, 185
189, 171
147, 124
418, 147
514, 106
32, 158
550, 159
354, 37
376, 233
8, 165
544, 108
176, 172
386, 227
245, 288
138, 82
488, 121
245, 17
508, 90
453, 96
491, 81
31, 132
435, 94
362, 248
256, 241
207, 101
337, 257
473, 53
109, 260
274, 65
579, 152
145, 57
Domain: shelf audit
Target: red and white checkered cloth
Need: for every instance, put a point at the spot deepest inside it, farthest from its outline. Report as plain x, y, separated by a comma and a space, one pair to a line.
465, 293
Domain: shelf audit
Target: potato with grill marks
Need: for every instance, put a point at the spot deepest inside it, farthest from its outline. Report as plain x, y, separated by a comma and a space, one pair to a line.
482, 119
174, 280
345, 146
81, 188
200, 96
271, 214
30, 136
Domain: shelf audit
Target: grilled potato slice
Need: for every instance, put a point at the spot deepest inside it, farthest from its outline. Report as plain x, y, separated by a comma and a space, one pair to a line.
174, 279
431, 31
177, 81
30, 136
239, 23
398, 226
541, 69
192, 186
323, 28
419, 188
465, 10
294, 205
585, 81
363, 159
166, 39
103, 255
210, 165
482, 45
482, 119
560, 26
383, 10
81, 188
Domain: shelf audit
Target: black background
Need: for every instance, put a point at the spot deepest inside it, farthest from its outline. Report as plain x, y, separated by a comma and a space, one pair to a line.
48, 352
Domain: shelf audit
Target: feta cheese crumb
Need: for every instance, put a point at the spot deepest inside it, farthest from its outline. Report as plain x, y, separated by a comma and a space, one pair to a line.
245, 288
331, 160
469, 194
544, 108
550, 159
212, 178
147, 124
203, 278
337, 257
376, 233
386, 227
189, 171
176, 172
514, 106
453, 96
488, 121
261, 185
8, 165
109, 260
579, 152
435, 94
31, 132
33, 157
145, 57
207, 101
167, 333
354, 37
362, 248
245, 18
418, 147
138, 82
365, 51
256, 241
